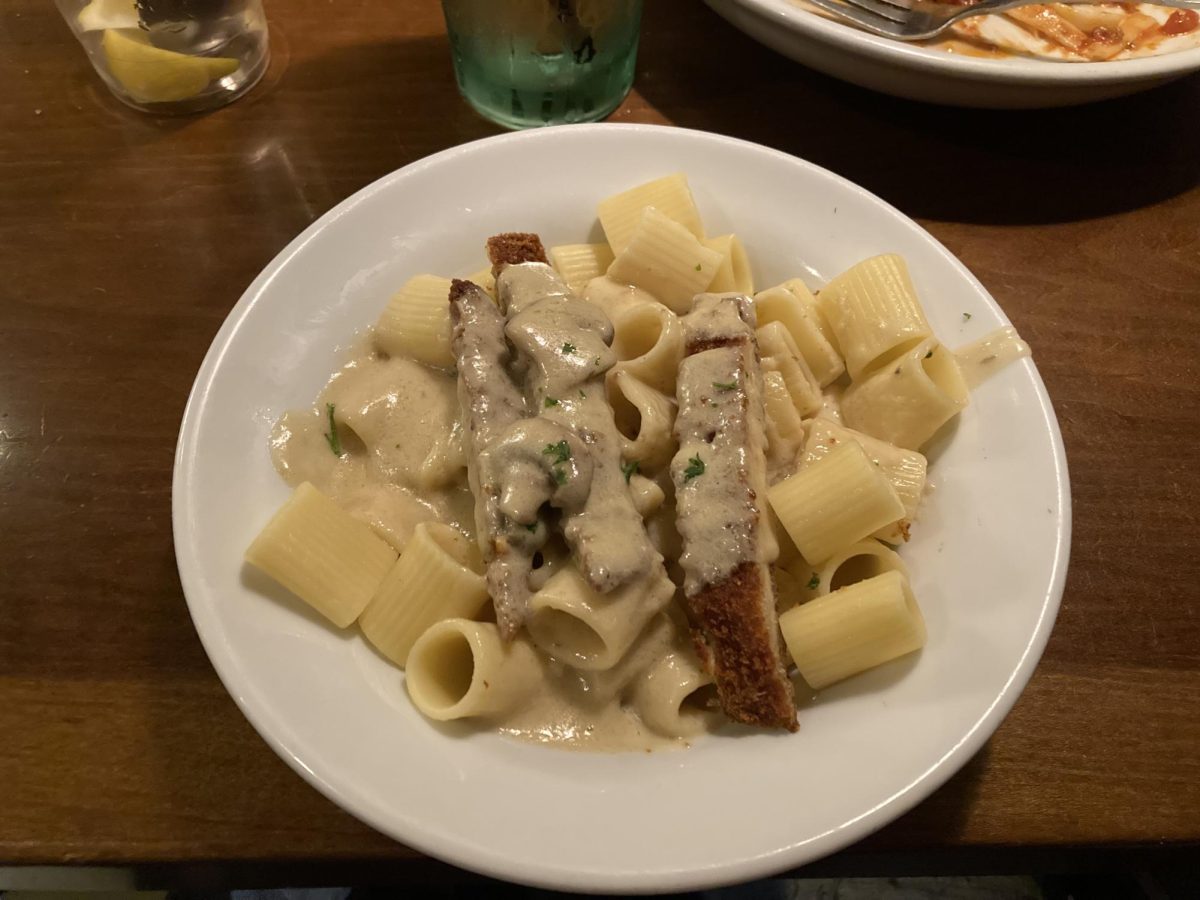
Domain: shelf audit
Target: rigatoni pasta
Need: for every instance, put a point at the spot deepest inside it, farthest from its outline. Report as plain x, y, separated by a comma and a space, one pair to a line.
645, 418
323, 555
580, 263
733, 274
590, 630
853, 629
780, 354
621, 214
416, 322
648, 342
792, 305
905, 469
664, 258
438, 576
674, 697
909, 400
875, 313
459, 669
858, 562
834, 502
785, 430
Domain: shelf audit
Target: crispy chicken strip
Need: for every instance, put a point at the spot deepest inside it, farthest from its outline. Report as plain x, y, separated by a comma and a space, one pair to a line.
563, 346
720, 479
491, 404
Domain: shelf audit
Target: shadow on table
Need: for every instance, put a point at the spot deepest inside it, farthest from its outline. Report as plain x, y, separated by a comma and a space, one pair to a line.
986, 166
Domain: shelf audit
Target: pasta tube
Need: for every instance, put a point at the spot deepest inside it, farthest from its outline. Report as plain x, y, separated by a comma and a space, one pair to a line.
461, 669
780, 354
416, 322
733, 274
671, 196
667, 260
905, 469
874, 310
580, 263
645, 419
648, 342
438, 576
835, 502
590, 630
853, 629
909, 400
793, 306
676, 697
323, 555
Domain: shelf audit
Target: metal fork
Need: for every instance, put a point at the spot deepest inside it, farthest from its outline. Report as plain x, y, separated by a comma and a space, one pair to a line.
915, 20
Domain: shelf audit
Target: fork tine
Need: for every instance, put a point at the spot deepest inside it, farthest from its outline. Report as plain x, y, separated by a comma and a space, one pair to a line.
867, 20
882, 9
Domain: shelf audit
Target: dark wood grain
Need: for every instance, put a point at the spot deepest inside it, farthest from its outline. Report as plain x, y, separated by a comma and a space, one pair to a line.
125, 239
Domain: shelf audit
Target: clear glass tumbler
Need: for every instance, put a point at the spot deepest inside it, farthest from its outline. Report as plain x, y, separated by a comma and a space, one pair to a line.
172, 56
524, 63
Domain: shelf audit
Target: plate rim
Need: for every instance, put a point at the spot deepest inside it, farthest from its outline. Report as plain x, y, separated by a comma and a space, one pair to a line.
474, 856
1016, 70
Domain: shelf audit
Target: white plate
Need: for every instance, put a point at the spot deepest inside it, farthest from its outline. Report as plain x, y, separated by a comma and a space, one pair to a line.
924, 73
989, 556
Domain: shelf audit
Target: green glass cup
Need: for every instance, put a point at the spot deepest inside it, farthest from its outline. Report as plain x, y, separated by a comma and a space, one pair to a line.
527, 63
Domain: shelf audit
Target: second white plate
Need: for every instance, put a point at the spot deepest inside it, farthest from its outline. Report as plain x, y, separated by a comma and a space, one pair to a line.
988, 556
925, 73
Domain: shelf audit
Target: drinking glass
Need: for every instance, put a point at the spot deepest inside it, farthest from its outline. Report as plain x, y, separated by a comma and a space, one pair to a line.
172, 56
525, 63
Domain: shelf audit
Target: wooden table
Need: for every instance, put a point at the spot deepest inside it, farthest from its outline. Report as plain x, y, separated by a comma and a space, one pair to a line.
124, 241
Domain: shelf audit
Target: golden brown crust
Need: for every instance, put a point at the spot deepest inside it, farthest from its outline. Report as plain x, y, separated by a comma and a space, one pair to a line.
739, 645
459, 287
514, 247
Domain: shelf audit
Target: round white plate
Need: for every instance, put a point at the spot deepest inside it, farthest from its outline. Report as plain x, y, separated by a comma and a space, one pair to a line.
989, 555
925, 73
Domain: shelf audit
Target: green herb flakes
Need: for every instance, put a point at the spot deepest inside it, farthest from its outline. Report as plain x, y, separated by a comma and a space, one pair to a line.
560, 451
629, 469
695, 468
334, 440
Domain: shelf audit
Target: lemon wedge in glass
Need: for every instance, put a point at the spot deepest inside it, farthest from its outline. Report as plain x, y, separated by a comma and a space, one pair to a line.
153, 75
101, 14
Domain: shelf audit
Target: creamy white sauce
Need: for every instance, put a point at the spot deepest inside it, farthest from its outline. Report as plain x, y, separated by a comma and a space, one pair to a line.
584, 710
402, 461
982, 359
565, 343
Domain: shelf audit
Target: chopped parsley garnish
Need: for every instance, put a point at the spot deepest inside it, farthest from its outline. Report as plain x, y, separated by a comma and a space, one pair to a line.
966, 317
629, 469
582, 395
549, 402
695, 468
698, 267
560, 477
560, 451
531, 528
568, 348
814, 582
725, 385
335, 442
